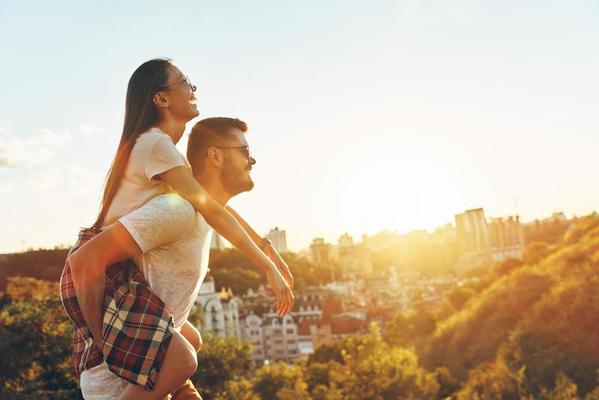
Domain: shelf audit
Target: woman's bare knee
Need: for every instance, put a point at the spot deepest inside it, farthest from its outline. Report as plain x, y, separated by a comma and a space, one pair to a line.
184, 356
192, 335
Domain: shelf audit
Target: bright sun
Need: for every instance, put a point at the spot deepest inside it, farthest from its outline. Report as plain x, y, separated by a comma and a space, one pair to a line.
402, 193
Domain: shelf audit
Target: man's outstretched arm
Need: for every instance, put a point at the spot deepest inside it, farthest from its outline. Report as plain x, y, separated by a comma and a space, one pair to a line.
88, 269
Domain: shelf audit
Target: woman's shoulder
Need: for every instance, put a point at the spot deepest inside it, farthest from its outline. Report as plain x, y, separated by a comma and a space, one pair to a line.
151, 139
152, 136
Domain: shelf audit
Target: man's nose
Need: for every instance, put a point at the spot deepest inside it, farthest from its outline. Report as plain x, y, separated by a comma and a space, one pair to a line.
252, 160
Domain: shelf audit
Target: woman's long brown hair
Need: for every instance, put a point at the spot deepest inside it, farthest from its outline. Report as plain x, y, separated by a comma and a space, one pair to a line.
140, 115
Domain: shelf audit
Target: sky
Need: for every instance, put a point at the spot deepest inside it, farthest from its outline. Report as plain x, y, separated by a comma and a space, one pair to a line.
362, 116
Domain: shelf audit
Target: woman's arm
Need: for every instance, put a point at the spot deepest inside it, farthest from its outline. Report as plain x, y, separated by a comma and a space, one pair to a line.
268, 249
88, 269
181, 180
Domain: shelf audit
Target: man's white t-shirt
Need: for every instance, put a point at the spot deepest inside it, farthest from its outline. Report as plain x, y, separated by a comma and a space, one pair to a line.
152, 154
175, 241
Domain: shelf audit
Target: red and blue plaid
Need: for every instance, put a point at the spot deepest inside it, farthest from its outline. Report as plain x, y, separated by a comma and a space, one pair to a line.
136, 329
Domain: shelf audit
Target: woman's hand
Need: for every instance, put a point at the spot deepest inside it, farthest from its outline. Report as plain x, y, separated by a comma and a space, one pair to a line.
281, 265
281, 290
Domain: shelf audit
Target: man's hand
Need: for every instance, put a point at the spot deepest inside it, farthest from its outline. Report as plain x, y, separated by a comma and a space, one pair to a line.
281, 290
280, 264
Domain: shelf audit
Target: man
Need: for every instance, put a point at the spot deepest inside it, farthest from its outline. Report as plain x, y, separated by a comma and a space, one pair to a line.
170, 243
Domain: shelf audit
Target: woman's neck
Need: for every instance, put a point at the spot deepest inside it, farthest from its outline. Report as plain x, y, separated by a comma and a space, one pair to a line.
174, 129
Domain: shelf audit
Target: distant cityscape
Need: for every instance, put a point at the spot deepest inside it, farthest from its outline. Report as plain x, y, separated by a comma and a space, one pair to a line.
360, 294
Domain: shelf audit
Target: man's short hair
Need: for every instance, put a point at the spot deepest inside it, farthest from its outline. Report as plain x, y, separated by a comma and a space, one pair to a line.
207, 133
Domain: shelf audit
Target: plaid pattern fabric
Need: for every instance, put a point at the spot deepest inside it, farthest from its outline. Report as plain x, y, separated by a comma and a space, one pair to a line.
136, 329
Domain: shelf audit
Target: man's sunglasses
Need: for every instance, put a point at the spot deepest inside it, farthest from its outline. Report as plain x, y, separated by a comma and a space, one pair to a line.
245, 150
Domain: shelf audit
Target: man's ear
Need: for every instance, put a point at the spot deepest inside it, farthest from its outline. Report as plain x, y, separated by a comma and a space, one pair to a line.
214, 155
159, 100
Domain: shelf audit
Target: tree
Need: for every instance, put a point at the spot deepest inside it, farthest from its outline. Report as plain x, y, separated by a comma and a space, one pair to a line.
240, 389
281, 382
35, 343
219, 361
564, 389
40, 264
410, 328
490, 381
558, 336
373, 370
459, 296
535, 252
447, 383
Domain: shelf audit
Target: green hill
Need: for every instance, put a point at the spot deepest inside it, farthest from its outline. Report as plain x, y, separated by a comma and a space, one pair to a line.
537, 320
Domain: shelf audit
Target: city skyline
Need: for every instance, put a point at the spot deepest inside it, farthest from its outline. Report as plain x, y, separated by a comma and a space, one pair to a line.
218, 242
362, 117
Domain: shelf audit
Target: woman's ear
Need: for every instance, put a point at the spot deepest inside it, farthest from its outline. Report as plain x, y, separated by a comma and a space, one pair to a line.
159, 100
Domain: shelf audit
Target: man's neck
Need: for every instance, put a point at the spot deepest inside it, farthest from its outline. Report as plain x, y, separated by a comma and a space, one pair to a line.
214, 187
172, 128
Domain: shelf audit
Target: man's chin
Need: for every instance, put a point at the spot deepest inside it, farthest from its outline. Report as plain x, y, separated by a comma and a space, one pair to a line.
244, 187
247, 187
250, 184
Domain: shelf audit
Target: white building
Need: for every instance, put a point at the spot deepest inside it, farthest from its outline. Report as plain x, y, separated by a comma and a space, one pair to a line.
506, 238
320, 252
279, 239
308, 304
355, 260
272, 338
472, 233
220, 309
343, 288
480, 240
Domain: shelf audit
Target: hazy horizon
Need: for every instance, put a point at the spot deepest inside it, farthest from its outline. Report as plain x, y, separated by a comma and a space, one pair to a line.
357, 236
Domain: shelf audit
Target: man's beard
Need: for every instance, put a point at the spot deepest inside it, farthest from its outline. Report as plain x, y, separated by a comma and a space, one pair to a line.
235, 181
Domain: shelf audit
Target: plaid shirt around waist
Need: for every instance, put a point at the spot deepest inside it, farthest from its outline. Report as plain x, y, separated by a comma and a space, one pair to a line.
136, 327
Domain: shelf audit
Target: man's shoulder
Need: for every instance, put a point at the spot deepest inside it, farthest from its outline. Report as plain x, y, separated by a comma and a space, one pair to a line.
161, 210
163, 219
170, 202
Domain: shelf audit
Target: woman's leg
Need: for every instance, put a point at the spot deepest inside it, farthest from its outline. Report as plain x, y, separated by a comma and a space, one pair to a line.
188, 391
192, 335
179, 364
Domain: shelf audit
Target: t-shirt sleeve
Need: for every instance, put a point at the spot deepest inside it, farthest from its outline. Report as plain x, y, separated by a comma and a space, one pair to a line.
162, 157
162, 220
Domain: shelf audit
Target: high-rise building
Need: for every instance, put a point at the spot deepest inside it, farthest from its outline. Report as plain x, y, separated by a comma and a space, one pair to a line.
345, 240
472, 232
506, 238
320, 252
354, 260
481, 241
279, 239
